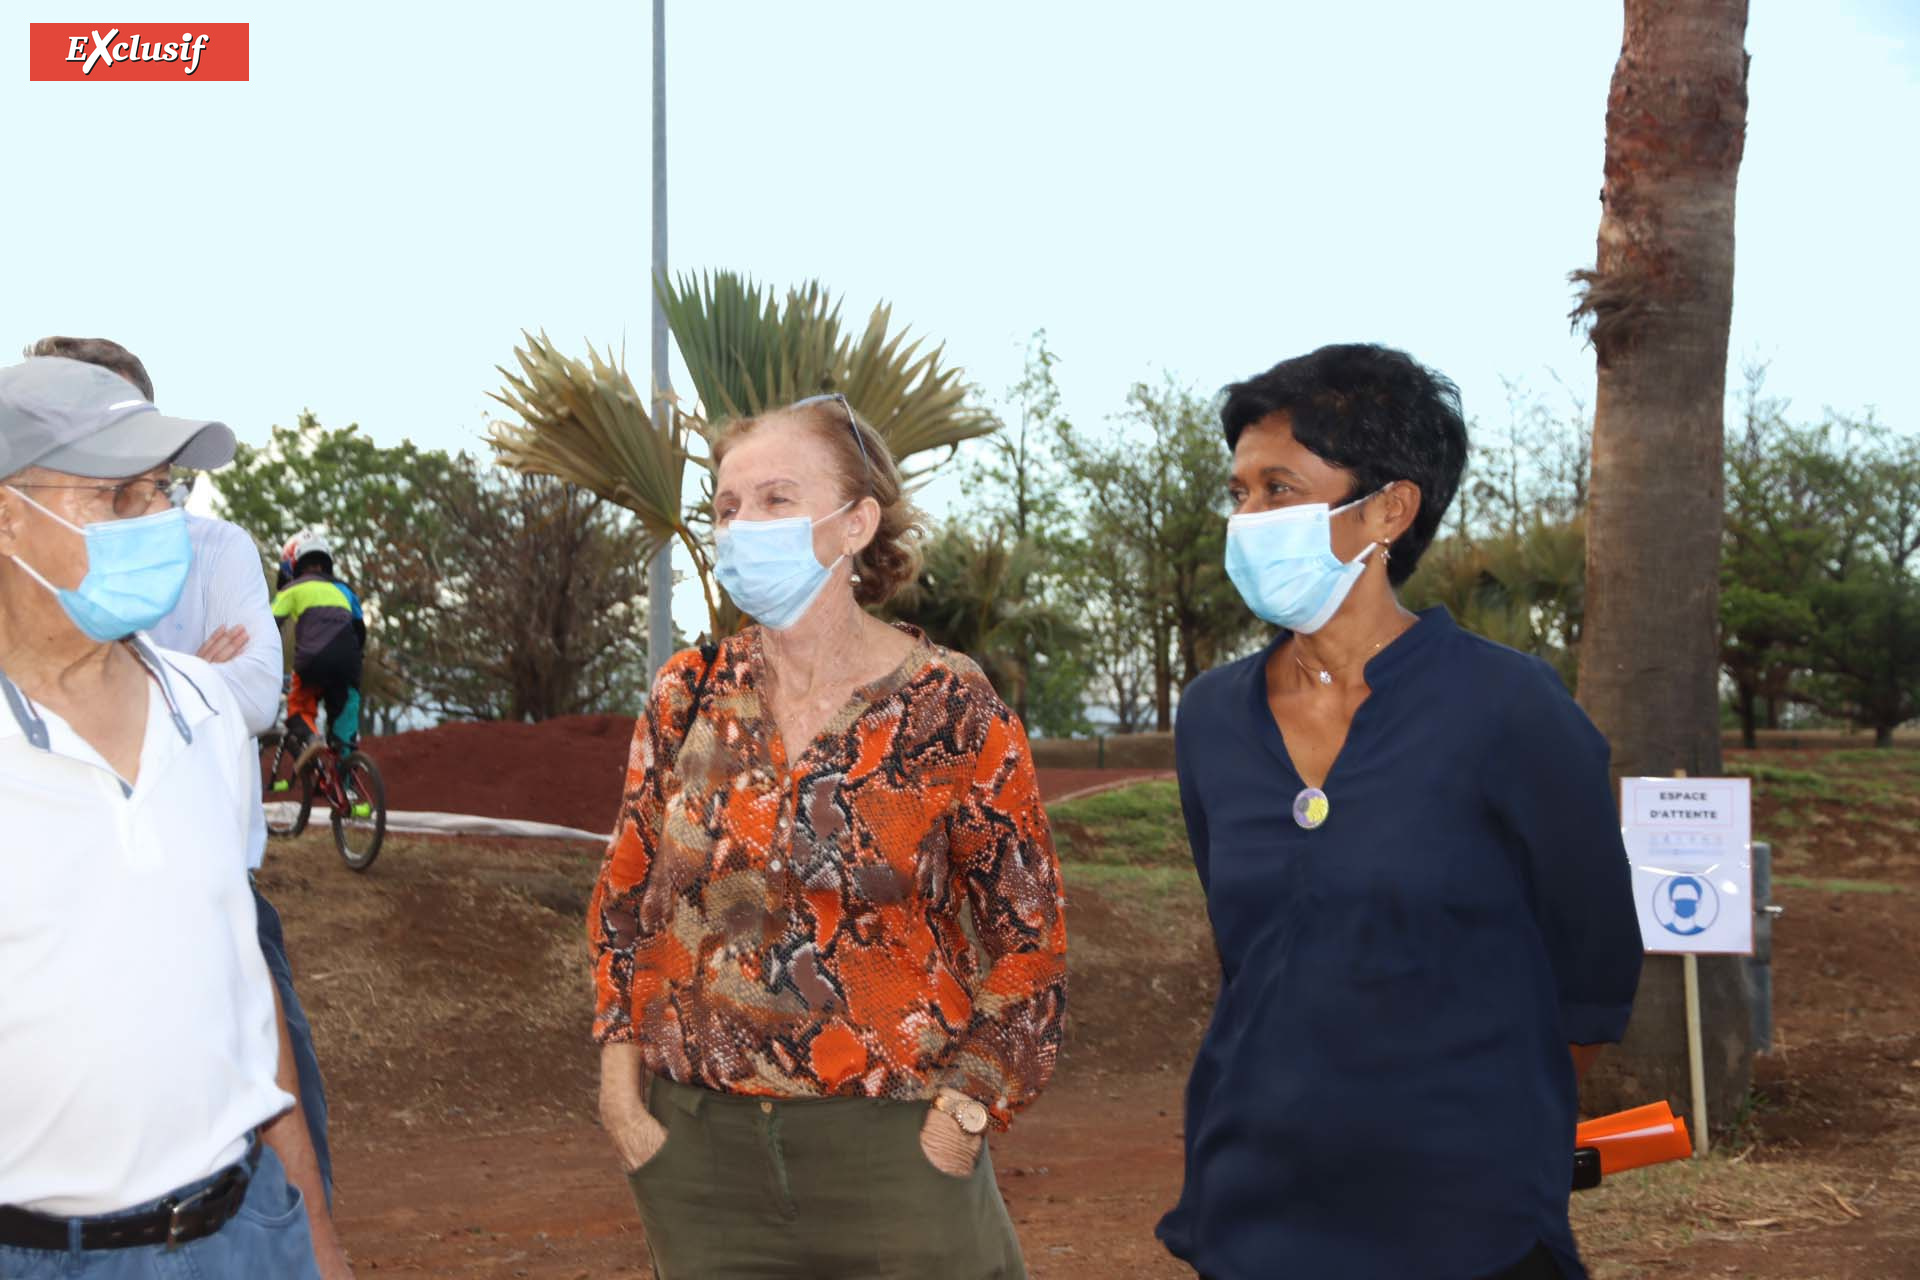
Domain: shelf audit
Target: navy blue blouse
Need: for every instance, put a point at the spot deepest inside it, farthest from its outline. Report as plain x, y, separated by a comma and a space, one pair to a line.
1385, 1091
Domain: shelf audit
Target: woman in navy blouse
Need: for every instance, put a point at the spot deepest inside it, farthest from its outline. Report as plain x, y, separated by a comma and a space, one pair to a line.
1412, 861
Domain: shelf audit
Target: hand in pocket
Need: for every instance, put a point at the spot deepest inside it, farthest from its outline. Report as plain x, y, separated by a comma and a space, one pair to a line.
638, 1138
948, 1147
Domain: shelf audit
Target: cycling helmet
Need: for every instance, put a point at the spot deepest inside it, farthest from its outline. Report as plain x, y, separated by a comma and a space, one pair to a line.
305, 543
301, 546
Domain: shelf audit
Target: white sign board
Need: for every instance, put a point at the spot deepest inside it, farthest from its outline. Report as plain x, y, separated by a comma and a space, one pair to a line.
1689, 841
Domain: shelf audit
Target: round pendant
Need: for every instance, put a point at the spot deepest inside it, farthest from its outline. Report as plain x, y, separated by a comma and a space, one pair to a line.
1310, 808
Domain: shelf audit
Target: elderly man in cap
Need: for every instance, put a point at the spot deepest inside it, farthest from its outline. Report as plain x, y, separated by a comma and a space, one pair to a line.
138, 1037
225, 617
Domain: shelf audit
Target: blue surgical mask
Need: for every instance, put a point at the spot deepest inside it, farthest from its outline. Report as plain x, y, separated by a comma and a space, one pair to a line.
136, 570
1282, 561
769, 569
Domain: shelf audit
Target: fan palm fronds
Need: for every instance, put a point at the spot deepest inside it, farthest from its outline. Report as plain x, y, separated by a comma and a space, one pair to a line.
748, 352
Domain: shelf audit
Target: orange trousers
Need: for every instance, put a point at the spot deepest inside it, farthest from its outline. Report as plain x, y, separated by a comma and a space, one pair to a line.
343, 708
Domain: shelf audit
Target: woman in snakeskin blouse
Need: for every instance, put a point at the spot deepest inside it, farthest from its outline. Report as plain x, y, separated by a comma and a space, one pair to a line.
776, 932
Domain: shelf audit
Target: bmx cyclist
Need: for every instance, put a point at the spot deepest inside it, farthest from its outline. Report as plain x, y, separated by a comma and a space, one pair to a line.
329, 646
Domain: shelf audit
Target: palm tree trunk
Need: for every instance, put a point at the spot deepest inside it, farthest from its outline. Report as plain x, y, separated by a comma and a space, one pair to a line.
1660, 297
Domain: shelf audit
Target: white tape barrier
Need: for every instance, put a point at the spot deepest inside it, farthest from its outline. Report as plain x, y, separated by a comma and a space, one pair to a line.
448, 824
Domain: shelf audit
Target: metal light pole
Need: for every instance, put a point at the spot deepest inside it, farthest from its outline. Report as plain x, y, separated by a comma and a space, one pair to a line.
660, 574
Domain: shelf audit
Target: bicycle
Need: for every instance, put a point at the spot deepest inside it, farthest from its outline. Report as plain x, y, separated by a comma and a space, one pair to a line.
354, 792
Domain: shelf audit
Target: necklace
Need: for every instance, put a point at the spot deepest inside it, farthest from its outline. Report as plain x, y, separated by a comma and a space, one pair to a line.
1311, 807
1325, 674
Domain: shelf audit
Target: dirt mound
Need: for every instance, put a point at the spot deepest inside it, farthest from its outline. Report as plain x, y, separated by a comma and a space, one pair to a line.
567, 771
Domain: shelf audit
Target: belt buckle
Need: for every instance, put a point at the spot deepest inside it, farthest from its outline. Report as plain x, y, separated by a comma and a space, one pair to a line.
176, 1207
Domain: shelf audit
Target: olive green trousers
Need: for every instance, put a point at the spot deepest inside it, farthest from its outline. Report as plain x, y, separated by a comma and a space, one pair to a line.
827, 1188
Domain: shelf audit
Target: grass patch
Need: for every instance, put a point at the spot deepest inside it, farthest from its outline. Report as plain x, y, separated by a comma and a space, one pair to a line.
1782, 783
1157, 882
1157, 896
1839, 886
1133, 826
1891, 760
1643, 1214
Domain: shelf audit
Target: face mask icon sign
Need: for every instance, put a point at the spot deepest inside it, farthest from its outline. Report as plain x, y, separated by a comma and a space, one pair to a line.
1685, 905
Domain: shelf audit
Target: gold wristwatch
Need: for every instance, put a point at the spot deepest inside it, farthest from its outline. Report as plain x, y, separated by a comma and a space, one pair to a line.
968, 1114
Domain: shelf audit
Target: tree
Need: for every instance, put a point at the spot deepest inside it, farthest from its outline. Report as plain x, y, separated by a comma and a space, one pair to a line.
1017, 481
1866, 633
382, 510
1154, 550
746, 350
1659, 298
538, 603
1512, 567
1016, 487
1116, 616
1534, 469
1788, 495
969, 598
1523, 587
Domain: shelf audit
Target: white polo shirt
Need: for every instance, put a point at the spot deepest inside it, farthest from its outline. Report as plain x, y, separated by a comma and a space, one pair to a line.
137, 1035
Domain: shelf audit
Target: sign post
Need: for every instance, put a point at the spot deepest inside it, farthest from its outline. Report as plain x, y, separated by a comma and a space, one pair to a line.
1696, 1053
1689, 842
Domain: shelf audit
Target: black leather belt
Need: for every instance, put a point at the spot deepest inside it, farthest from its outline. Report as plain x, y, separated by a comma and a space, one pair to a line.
174, 1221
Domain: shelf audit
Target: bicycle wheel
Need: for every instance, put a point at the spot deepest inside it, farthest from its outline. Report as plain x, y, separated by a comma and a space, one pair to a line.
359, 828
288, 800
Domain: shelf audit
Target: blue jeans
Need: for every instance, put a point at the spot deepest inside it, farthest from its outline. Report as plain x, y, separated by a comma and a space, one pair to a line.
313, 1092
268, 1237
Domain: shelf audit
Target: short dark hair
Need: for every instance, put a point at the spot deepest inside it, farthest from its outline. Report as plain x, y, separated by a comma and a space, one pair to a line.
1373, 411
104, 352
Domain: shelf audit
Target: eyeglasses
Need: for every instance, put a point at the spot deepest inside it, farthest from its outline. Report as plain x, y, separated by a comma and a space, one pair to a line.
852, 426
130, 497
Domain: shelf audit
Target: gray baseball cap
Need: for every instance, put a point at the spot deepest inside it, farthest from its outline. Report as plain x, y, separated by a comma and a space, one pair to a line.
83, 420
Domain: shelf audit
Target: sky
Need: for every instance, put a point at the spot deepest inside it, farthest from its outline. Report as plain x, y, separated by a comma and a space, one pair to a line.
365, 227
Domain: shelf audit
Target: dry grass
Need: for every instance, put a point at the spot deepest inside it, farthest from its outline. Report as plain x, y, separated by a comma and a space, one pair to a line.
1645, 1215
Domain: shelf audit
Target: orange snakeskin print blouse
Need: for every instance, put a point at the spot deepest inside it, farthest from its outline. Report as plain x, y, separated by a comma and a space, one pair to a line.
792, 928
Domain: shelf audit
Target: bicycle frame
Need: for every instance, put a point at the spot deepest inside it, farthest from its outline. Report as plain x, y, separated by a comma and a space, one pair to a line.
347, 784
330, 783
326, 778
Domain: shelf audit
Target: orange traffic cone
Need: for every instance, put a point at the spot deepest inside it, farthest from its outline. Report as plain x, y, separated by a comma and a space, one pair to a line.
1630, 1140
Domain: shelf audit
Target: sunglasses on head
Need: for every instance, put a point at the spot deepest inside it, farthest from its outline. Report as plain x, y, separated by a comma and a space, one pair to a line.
852, 426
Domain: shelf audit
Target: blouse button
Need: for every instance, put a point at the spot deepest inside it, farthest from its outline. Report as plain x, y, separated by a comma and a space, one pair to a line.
774, 865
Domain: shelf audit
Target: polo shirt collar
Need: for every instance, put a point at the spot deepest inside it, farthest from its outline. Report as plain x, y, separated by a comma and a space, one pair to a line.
187, 704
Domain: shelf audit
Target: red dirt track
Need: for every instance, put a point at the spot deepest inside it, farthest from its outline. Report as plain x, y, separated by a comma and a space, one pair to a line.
567, 771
